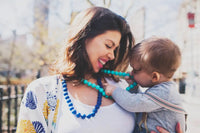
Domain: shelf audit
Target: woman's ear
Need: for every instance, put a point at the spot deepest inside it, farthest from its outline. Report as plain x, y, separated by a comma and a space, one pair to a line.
155, 77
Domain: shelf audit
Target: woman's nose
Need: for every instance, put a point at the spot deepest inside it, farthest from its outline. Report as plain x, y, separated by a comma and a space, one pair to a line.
111, 55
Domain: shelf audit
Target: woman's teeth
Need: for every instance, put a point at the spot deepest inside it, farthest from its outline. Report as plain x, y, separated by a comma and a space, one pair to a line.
102, 62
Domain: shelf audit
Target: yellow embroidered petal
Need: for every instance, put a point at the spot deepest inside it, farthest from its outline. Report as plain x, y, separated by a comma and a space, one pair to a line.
56, 112
25, 126
46, 110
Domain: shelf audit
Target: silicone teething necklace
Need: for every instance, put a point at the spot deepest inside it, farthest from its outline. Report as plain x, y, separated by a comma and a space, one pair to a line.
71, 106
101, 93
101, 90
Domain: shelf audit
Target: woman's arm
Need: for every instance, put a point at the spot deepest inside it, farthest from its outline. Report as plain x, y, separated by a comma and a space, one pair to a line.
162, 130
31, 112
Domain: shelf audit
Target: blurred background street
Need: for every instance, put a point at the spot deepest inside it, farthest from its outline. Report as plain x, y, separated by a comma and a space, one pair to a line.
192, 106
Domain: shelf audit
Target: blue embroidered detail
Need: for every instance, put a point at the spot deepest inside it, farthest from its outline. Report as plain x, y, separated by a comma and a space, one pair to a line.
30, 101
38, 127
51, 100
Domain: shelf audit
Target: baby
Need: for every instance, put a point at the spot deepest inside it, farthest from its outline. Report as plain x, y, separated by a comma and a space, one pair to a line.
154, 62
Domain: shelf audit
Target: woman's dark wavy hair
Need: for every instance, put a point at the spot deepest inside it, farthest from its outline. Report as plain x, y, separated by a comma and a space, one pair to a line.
73, 63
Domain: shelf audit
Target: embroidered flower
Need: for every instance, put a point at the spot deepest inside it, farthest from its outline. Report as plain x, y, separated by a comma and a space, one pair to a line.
38, 127
25, 126
55, 114
46, 111
52, 100
31, 100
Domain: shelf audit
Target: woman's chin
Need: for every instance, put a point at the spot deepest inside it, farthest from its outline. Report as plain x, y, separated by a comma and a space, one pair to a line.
96, 70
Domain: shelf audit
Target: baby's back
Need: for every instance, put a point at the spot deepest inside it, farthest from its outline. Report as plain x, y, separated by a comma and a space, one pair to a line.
167, 97
166, 119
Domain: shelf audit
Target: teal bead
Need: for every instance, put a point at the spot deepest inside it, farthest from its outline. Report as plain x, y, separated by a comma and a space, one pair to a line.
85, 81
93, 85
120, 74
112, 72
128, 88
103, 93
124, 74
97, 87
131, 86
89, 83
101, 90
115, 73
108, 72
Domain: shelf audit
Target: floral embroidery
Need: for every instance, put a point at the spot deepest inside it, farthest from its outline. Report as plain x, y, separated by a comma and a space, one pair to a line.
38, 127
30, 101
46, 111
55, 114
25, 126
52, 100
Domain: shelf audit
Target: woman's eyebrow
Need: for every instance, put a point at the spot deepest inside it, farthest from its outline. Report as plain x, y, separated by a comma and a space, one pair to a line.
113, 44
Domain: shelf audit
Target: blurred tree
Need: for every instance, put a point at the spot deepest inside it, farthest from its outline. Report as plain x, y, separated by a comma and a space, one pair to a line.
11, 57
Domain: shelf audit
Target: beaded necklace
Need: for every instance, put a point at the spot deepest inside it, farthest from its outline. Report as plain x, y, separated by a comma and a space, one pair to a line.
101, 93
71, 106
101, 90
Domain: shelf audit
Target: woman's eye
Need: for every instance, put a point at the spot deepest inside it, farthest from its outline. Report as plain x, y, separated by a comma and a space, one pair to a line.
108, 46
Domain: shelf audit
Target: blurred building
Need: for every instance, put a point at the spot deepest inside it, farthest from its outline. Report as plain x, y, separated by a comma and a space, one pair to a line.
41, 18
137, 24
188, 35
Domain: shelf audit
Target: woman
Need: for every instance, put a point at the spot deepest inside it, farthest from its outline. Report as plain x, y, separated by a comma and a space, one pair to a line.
98, 39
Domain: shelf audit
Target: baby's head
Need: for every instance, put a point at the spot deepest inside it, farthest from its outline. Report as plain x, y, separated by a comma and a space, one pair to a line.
159, 55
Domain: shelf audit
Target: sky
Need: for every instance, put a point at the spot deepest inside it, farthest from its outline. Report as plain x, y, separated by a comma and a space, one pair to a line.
160, 15
14, 14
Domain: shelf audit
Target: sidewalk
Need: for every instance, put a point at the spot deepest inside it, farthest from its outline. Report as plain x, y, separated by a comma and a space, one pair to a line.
192, 106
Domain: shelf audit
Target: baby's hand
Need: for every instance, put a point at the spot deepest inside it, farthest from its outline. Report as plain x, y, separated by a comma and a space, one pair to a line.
129, 80
109, 88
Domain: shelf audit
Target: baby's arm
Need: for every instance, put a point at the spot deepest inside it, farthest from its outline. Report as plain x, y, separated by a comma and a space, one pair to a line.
109, 88
134, 102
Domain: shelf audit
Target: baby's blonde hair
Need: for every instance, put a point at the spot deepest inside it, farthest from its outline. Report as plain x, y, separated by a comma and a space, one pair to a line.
157, 54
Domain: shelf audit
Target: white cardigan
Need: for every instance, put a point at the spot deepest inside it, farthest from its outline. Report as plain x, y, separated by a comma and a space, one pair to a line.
44, 110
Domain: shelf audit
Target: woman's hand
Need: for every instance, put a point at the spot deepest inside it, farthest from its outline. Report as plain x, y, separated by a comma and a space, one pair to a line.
162, 130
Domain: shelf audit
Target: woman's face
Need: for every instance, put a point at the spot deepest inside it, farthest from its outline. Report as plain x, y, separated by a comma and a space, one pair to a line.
100, 49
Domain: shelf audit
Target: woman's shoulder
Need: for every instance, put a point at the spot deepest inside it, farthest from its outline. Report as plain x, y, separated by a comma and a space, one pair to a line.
44, 82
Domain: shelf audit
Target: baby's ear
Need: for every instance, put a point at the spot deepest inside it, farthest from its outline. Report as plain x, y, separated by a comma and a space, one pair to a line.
155, 77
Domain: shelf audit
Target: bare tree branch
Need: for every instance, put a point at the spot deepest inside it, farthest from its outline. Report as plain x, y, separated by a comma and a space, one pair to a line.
11, 57
128, 9
89, 2
109, 3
